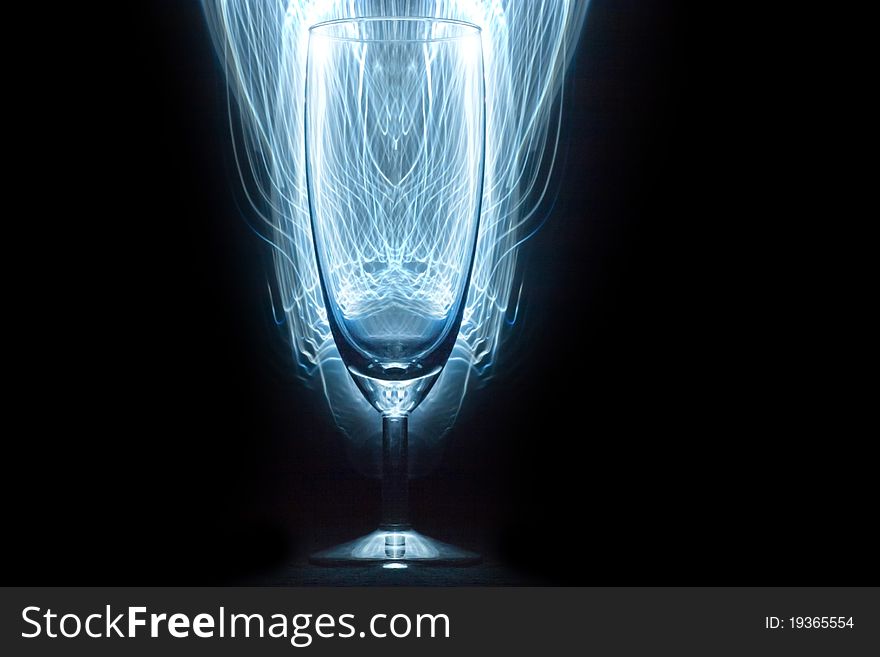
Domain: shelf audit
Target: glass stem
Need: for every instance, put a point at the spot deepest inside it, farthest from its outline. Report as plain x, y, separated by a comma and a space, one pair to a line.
395, 473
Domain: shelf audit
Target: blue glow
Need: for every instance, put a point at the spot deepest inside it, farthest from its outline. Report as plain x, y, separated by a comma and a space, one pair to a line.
526, 45
396, 547
395, 137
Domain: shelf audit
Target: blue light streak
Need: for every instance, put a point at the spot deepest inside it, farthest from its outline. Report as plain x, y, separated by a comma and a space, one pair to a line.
526, 46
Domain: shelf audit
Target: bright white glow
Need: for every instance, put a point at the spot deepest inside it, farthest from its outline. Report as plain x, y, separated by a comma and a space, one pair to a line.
394, 545
394, 565
394, 158
526, 44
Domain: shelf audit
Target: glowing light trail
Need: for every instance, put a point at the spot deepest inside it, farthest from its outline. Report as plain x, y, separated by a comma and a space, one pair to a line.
526, 45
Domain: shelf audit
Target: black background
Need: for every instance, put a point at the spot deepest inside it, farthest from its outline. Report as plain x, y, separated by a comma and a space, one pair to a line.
161, 436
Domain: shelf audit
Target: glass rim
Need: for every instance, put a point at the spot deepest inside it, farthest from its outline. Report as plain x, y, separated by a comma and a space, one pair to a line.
471, 29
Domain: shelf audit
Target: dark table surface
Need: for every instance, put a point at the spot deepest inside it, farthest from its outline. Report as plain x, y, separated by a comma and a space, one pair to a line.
301, 573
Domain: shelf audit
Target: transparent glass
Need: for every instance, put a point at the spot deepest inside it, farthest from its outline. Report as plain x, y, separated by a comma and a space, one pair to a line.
395, 140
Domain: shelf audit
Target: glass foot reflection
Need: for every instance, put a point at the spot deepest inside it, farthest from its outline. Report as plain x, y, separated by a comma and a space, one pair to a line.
395, 547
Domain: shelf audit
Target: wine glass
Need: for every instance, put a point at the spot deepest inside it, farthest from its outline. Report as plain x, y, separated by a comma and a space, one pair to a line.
395, 141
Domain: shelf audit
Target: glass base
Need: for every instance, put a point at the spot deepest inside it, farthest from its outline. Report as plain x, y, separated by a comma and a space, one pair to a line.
394, 548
